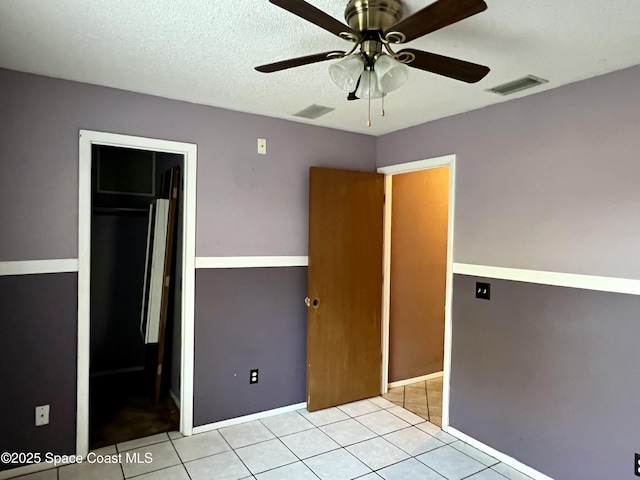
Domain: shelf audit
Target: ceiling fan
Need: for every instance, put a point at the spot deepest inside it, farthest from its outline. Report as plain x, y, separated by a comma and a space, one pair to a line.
371, 67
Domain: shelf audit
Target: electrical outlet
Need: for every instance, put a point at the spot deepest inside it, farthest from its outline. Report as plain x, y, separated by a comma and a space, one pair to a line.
262, 146
253, 376
483, 290
42, 415
636, 465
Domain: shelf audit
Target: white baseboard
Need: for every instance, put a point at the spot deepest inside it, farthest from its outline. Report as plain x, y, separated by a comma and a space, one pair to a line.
248, 418
175, 397
409, 381
506, 459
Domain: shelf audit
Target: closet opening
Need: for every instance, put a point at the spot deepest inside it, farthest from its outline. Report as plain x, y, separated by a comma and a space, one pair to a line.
137, 217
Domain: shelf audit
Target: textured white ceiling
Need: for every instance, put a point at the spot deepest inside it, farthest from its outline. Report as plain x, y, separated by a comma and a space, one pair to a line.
204, 52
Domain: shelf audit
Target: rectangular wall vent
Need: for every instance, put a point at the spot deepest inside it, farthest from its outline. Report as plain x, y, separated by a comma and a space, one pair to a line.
313, 111
518, 85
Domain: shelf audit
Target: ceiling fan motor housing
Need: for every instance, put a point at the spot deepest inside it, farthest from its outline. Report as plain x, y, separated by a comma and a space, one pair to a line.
363, 15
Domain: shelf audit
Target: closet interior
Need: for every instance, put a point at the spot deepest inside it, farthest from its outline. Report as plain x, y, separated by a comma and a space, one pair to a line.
136, 267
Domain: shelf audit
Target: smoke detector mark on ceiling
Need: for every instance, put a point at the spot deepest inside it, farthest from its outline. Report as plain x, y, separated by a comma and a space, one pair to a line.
518, 85
313, 111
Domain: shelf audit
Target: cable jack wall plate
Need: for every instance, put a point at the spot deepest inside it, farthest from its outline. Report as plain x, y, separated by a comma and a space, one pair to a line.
262, 146
42, 415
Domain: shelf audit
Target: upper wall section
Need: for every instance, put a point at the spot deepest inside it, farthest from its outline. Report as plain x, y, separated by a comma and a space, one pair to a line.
548, 182
247, 204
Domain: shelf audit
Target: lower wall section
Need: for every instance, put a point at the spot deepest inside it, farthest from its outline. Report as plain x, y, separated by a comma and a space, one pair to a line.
248, 318
38, 362
548, 375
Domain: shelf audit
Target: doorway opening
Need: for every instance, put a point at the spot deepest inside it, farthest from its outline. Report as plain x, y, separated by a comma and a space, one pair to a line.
135, 288
134, 331
417, 282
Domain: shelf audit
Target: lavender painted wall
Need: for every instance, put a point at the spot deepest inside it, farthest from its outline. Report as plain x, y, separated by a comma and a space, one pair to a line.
547, 182
247, 204
548, 375
249, 318
38, 362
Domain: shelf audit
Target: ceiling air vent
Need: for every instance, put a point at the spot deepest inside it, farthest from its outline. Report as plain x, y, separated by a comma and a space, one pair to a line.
313, 111
517, 85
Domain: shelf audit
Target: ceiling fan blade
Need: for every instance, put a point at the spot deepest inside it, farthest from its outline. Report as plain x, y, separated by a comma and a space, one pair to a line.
299, 61
447, 66
436, 16
314, 15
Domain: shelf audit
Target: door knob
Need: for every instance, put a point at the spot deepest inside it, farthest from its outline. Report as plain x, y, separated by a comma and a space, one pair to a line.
309, 303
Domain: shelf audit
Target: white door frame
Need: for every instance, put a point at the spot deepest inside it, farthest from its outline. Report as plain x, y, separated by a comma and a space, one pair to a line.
444, 161
189, 152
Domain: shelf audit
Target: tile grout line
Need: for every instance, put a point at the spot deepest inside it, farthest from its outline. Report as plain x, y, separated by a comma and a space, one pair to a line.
340, 447
285, 445
115, 445
251, 444
235, 453
488, 466
277, 437
476, 473
414, 456
180, 458
145, 446
426, 394
380, 436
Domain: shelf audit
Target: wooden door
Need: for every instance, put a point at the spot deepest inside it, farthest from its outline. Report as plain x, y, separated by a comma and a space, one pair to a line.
345, 286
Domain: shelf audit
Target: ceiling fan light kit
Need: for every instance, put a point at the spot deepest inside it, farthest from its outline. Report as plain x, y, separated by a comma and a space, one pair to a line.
371, 68
369, 87
346, 72
391, 73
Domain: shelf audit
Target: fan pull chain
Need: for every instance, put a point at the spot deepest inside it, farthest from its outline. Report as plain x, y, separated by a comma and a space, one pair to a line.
383, 95
369, 100
369, 104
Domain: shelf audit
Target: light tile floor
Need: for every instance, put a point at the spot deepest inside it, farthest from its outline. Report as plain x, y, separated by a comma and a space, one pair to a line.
422, 398
368, 440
